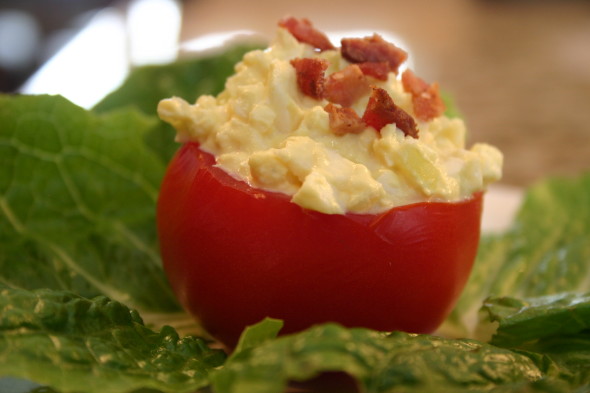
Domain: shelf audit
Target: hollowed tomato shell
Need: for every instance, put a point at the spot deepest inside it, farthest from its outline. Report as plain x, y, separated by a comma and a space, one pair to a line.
235, 255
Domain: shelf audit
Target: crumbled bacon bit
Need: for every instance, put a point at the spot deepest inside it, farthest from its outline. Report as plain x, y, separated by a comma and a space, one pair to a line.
373, 50
373, 57
310, 76
413, 84
429, 104
376, 70
426, 98
381, 111
304, 32
344, 120
346, 86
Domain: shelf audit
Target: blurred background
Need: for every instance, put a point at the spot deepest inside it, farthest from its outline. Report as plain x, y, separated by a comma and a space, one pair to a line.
518, 70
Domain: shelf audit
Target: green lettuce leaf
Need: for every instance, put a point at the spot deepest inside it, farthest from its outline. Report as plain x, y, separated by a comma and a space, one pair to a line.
187, 78
255, 335
522, 321
545, 252
74, 344
397, 362
77, 202
557, 326
451, 108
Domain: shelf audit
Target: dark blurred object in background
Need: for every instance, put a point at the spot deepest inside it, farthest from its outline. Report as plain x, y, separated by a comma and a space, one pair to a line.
31, 31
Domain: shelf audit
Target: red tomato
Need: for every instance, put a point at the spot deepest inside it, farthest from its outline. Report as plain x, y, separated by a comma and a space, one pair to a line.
235, 254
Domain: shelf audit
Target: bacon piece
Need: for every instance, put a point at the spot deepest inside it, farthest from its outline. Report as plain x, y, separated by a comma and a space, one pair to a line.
373, 50
310, 76
381, 111
376, 70
346, 86
429, 104
304, 32
413, 84
426, 98
344, 120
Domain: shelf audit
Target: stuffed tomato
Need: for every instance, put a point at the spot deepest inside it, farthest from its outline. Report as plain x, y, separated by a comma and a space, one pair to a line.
321, 186
235, 255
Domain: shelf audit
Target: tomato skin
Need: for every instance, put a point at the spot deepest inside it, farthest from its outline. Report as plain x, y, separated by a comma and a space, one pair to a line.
235, 254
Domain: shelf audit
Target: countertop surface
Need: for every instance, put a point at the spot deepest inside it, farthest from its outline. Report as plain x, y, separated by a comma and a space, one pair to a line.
519, 71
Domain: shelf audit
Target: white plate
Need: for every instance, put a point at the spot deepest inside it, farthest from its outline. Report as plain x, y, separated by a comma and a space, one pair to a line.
500, 206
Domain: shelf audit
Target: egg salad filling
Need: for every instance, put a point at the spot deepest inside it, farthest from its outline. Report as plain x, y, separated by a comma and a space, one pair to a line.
264, 130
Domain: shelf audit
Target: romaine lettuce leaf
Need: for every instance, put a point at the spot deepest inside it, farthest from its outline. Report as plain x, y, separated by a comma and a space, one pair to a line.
77, 202
74, 344
451, 108
379, 362
187, 78
78, 189
557, 326
545, 252
522, 321
254, 335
